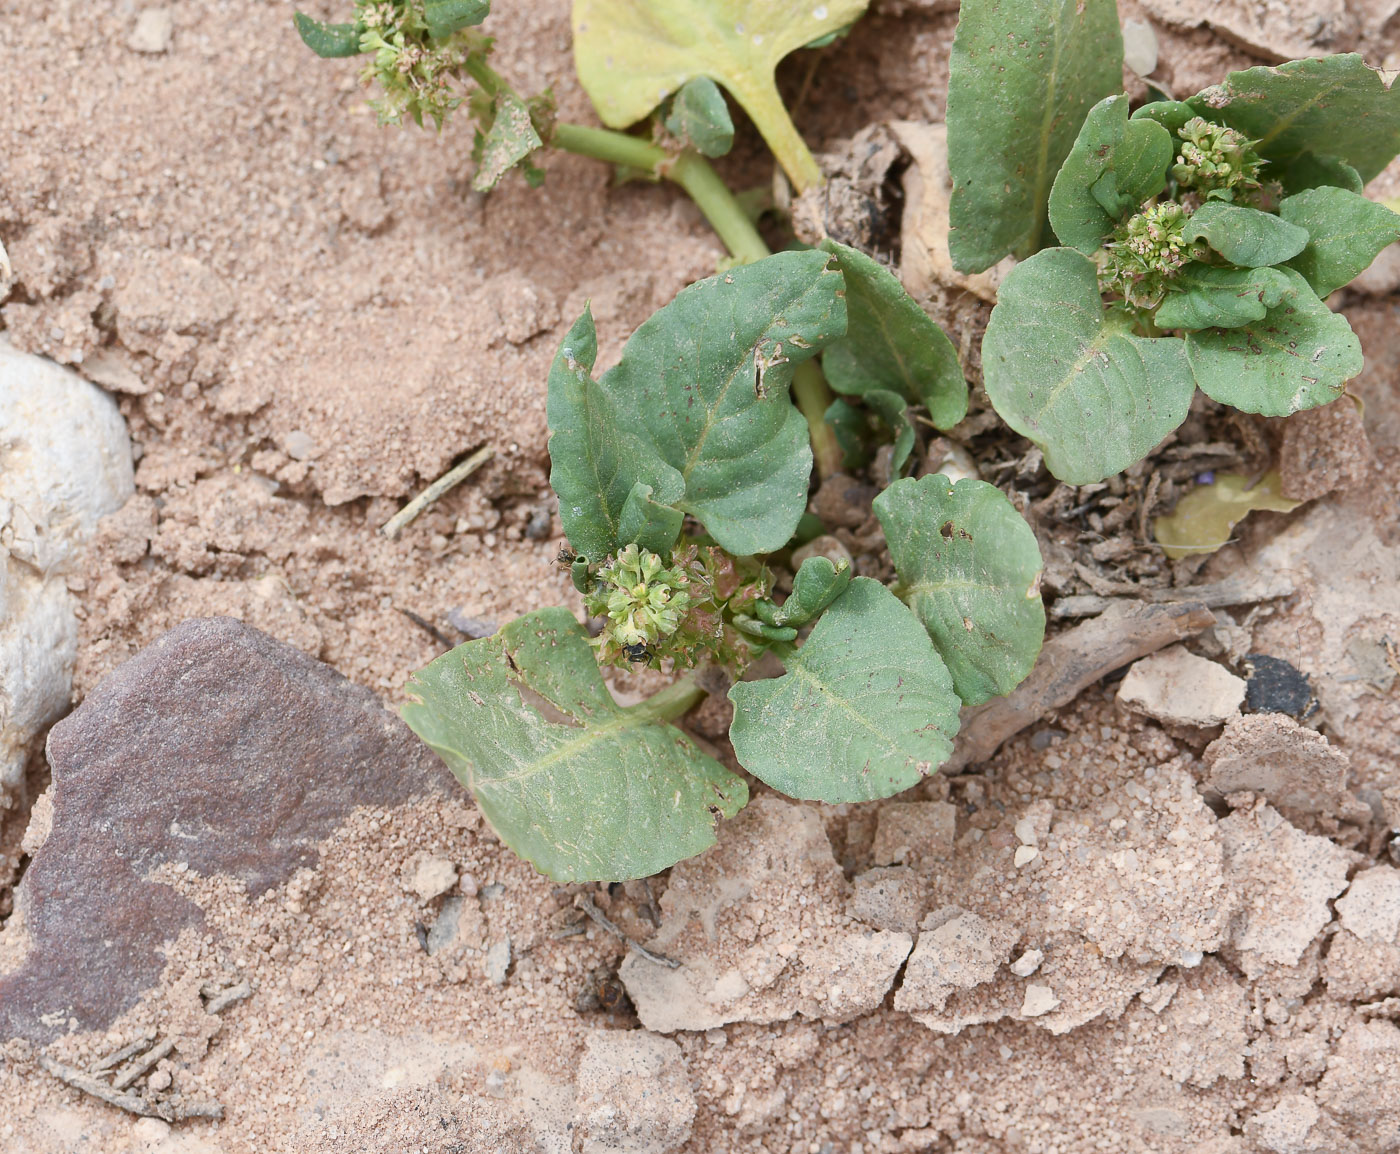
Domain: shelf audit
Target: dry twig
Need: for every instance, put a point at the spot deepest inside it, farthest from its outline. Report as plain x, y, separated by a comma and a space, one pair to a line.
450, 479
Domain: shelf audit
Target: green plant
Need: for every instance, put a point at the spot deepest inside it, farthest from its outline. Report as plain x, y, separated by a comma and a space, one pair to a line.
1197, 239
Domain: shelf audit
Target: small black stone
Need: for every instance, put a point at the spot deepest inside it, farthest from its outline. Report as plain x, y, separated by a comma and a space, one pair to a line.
1275, 686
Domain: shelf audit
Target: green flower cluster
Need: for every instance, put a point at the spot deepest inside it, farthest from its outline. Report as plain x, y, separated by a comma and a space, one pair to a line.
1218, 163
1146, 252
643, 601
414, 71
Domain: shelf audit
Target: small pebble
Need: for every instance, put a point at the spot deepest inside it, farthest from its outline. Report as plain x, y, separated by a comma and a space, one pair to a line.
1027, 963
1025, 831
1039, 1000
1025, 855
434, 876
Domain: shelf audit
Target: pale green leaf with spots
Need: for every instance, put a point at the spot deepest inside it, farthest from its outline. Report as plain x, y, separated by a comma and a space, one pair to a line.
582, 788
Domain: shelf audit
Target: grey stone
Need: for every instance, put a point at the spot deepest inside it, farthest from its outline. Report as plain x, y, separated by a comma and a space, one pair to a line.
217, 747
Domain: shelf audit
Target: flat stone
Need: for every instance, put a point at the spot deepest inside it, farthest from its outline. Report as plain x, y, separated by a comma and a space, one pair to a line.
1177, 686
154, 28
497, 964
1370, 908
1039, 1000
216, 747
633, 1094
889, 898
432, 877
957, 950
1284, 30
1292, 766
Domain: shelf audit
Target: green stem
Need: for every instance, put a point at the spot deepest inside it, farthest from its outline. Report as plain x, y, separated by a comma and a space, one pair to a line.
770, 116
689, 170
814, 396
675, 700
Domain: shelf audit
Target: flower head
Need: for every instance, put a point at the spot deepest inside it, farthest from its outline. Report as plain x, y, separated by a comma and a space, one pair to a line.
1218, 162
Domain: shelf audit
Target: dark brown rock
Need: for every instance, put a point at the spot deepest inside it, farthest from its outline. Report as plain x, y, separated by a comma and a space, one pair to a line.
216, 746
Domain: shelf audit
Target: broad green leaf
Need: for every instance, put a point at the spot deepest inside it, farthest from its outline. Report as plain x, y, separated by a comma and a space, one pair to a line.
1203, 519
856, 429
574, 783
1346, 232
1022, 76
1333, 105
596, 461
891, 343
1074, 379
1170, 114
818, 582
969, 568
1311, 171
1206, 297
1114, 166
653, 523
444, 17
893, 411
1298, 357
632, 54
699, 118
704, 383
328, 40
865, 710
1245, 236
510, 139
697, 409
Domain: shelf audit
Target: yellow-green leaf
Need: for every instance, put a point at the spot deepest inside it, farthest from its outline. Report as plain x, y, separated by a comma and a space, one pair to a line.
1203, 519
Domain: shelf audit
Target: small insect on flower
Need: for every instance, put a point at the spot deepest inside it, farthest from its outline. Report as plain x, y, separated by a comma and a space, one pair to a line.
638, 652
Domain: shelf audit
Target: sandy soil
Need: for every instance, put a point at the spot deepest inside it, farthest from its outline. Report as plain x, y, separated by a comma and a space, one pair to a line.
306, 318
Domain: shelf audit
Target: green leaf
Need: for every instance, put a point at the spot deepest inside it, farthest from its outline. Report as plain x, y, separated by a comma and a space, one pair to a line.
652, 523
328, 40
1298, 357
704, 382
1022, 76
1333, 105
1075, 380
699, 118
856, 429
697, 408
1203, 520
1245, 236
444, 17
865, 710
817, 584
1311, 171
574, 783
891, 343
1170, 114
595, 460
969, 568
631, 54
510, 139
1207, 297
1114, 166
893, 411
1346, 232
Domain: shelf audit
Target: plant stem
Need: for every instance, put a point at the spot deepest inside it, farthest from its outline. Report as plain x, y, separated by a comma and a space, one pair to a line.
770, 116
670, 703
813, 396
689, 170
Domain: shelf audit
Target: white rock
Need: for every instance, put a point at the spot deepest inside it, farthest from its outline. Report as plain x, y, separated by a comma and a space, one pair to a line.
434, 876
154, 28
1027, 963
1371, 906
1140, 47
67, 463
498, 961
1025, 831
1025, 854
1176, 685
633, 1094
1039, 1000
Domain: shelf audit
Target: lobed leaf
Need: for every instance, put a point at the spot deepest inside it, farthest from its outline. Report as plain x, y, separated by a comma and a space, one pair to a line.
1115, 164
1022, 76
865, 710
328, 40
1206, 296
891, 343
580, 787
1245, 236
1346, 232
969, 568
1333, 105
1299, 356
699, 118
1075, 380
